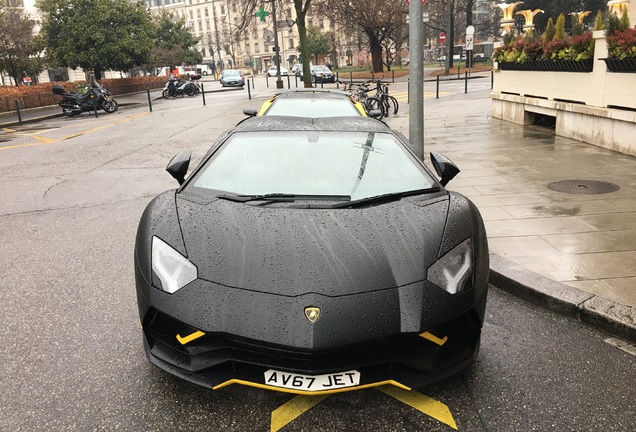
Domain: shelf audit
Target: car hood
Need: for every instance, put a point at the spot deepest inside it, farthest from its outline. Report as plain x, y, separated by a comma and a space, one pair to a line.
293, 251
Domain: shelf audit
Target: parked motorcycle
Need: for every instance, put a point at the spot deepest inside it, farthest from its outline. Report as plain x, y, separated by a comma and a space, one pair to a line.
182, 87
97, 97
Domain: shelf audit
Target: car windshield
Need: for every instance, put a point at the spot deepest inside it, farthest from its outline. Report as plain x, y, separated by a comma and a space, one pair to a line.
231, 73
321, 69
312, 107
315, 163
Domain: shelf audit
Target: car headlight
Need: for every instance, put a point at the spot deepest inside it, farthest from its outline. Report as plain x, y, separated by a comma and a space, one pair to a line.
453, 272
173, 269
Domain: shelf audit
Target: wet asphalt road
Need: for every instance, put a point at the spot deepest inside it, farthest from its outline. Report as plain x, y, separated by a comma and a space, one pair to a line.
72, 355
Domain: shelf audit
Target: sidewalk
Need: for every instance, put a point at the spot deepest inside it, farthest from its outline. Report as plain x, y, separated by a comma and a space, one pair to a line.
572, 252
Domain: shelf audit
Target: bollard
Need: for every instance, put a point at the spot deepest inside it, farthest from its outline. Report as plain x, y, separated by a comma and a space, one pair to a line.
267, 79
465, 82
492, 78
149, 100
437, 89
203, 93
350, 77
288, 82
322, 83
249, 93
458, 72
392, 76
17, 110
248, 85
95, 106
337, 77
296, 79
408, 90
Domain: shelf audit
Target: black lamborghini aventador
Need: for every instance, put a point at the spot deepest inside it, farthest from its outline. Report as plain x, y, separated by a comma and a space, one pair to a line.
311, 256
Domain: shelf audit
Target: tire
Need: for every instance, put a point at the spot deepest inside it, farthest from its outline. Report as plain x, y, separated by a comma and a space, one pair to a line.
393, 103
69, 112
190, 91
166, 94
373, 103
109, 106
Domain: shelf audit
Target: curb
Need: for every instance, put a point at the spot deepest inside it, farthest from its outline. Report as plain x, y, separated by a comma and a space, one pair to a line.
604, 314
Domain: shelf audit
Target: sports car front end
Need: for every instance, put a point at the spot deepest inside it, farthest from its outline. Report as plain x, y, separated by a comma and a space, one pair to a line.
363, 271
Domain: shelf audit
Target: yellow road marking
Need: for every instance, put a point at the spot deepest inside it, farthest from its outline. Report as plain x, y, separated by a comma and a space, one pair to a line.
8, 130
293, 409
51, 141
422, 403
45, 139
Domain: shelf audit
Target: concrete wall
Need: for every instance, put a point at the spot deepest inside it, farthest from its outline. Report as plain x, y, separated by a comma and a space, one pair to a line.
597, 107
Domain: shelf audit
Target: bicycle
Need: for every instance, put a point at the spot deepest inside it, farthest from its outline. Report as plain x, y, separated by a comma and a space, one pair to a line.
358, 92
382, 93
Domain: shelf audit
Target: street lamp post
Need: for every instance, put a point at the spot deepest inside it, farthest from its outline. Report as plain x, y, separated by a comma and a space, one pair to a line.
279, 81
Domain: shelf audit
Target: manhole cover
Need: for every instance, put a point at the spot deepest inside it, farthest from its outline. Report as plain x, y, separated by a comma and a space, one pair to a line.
588, 187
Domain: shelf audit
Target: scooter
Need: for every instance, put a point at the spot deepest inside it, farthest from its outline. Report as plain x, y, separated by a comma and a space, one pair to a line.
73, 103
182, 87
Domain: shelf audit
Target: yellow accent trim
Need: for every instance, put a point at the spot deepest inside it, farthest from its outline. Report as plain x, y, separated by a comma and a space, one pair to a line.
434, 339
293, 409
308, 393
266, 106
422, 403
360, 108
187, 339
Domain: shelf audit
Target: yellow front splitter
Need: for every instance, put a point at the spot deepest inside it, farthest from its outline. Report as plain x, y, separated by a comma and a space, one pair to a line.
309, 393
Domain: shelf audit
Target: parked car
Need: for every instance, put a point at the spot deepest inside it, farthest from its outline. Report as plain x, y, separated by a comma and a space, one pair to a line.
311, 255
320, 73
272, 71
296, 69
231, 77
310, 103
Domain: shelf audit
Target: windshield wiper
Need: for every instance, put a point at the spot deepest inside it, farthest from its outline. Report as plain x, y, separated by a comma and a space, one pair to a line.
393, 196
283, 197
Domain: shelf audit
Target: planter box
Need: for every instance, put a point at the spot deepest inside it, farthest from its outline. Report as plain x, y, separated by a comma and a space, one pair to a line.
550, 65
617, 65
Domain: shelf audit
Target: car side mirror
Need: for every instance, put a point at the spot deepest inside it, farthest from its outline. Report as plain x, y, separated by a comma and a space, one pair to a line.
375, 113
178, 165
444, 167
250, 112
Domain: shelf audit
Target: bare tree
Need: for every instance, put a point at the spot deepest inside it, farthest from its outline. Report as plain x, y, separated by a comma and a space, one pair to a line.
246, 18
377, 19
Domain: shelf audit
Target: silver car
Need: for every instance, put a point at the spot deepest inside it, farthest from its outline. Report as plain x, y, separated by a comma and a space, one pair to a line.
232, 77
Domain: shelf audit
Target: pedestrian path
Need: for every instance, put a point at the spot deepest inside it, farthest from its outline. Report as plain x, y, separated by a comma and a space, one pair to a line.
572, 248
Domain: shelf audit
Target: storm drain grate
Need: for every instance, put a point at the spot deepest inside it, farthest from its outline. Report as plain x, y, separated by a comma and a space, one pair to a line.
580, 187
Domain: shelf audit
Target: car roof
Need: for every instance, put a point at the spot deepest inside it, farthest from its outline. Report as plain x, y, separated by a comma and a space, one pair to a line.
315, 93
337, 124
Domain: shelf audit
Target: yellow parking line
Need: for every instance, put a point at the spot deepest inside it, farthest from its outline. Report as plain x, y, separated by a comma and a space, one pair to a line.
422, 403
51, 141
45, 139
8, 130
293, 409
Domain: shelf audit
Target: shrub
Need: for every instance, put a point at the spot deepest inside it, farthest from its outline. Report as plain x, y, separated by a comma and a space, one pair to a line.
622, 44
550, 31
560, 27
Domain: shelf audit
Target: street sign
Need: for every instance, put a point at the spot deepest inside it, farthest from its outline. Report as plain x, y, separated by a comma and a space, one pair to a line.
469, 42
442, 37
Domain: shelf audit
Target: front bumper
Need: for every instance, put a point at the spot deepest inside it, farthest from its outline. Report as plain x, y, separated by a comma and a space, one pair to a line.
217, 360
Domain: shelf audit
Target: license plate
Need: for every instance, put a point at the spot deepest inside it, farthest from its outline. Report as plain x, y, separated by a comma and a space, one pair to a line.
312, 382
